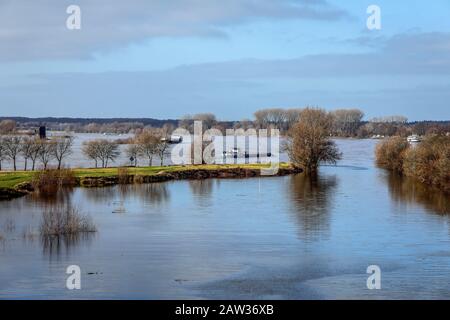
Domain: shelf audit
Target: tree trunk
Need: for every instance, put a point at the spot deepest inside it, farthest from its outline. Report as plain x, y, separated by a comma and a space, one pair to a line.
59, 164
26, 162
14, 161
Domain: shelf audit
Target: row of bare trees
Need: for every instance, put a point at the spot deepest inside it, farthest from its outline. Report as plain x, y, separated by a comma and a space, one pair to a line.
148, 144
101, 151
282, 119
344, 122
33, 149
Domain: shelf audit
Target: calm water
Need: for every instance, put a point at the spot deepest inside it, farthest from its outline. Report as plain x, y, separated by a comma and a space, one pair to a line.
278, 237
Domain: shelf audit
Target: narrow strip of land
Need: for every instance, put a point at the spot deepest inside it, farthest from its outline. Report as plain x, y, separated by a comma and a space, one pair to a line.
14, 184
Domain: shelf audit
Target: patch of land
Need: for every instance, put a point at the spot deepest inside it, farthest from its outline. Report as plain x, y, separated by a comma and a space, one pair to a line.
18, 183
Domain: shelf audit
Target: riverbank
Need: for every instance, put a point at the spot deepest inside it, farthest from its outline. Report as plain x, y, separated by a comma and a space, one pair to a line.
18, 183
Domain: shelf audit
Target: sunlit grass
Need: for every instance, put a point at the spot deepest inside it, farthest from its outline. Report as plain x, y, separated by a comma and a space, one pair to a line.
12, 179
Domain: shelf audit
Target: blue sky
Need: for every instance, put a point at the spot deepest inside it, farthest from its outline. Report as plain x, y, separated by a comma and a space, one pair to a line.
164, 59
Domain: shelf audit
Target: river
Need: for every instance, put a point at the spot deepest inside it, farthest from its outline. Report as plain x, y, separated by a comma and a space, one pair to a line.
260, 238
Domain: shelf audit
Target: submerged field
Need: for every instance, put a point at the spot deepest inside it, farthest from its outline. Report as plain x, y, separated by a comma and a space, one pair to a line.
287, 237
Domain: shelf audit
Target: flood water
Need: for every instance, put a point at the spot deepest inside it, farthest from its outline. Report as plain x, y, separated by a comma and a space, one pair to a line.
260, 238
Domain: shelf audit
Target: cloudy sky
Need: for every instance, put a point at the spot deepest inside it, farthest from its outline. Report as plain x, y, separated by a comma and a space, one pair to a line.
164, 59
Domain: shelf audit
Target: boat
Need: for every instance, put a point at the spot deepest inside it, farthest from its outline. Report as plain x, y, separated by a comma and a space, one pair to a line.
413, 138
173, 139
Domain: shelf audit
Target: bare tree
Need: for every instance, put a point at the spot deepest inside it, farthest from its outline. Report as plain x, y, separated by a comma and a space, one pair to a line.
346, 121
34, 152
208, 119
148, 141
261, 118
161, 149
46, 152
186, 122
12, 147
26, 149
109, 151
7, 126
310, 143
390, 119
133, 152
91, 149
292, 117
101, 150
2, 152
62, 148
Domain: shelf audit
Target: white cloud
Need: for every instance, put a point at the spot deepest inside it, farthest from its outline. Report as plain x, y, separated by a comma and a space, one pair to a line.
36, 29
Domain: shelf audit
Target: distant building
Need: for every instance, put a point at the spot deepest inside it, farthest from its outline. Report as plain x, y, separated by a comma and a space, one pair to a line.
42, 132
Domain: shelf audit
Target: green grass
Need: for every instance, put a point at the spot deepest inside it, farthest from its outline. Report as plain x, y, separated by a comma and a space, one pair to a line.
11, 179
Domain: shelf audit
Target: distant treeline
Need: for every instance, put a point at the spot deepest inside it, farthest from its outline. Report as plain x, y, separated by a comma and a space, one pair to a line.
346, 123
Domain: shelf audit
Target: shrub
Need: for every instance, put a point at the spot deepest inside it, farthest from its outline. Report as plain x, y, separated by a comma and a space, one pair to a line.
390, 153
310, 143
50, 181
123, 175
138, 179
58, 221
429, 162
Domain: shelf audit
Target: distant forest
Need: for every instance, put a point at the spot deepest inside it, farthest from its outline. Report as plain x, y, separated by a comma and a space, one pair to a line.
345, 123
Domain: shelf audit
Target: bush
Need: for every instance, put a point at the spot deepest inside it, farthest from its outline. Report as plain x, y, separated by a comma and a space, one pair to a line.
310, 144
50, 181
138, 179
429, 162
123, 175
390, 153
58, 221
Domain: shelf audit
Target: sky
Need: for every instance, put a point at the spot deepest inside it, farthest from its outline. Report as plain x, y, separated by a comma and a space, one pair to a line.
165, 59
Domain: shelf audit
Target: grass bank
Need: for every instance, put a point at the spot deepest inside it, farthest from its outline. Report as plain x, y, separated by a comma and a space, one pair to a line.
17, 183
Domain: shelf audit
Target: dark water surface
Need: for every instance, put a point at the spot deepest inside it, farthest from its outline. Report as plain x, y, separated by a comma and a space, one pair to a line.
277, 237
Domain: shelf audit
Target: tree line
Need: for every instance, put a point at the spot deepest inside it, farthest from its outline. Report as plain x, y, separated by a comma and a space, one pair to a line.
34, 150
149, 143
428, 162
345, 123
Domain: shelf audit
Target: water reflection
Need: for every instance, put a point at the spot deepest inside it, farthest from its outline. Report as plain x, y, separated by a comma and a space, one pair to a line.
311, 199
55, 246
156, 192
99, 195
62, 195
201, 187
406, 190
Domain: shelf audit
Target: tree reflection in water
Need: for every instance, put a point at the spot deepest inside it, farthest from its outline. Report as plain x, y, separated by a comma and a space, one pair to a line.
202, 191
55, 246
407, 190
62, 195
156, 193
311, 198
